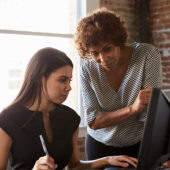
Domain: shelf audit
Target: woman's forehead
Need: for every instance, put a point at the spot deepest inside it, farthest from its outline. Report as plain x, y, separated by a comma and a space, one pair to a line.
64, 70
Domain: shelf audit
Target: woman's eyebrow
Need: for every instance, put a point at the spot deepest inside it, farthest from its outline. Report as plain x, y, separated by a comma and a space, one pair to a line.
64, 76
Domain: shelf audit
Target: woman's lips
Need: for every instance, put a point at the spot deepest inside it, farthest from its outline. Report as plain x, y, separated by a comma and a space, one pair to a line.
107, 65
64, 96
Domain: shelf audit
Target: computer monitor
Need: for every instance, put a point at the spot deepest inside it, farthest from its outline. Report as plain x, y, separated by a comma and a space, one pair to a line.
155, 145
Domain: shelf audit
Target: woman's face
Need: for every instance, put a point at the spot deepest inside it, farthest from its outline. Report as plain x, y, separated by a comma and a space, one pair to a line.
105, 54
57, 86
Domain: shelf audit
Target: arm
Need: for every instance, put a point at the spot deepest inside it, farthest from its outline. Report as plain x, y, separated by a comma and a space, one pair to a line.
152, 76
76, 164
106, 119
5, 145
98, 119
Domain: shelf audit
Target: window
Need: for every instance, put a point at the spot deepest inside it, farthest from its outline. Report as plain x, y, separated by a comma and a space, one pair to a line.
28, 25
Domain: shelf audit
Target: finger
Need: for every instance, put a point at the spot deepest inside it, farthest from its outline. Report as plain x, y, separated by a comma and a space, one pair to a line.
148, 89
47, 160
44, 167
128, 160
133, 159
145, 95
145, 91
145, 102
166, 164
123, 164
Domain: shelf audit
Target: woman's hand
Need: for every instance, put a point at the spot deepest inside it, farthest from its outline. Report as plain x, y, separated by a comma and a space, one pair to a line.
45, 163
167, 164
122, 160
142, 99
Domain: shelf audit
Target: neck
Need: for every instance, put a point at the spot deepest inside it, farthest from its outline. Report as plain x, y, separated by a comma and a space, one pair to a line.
44, 107
125, 56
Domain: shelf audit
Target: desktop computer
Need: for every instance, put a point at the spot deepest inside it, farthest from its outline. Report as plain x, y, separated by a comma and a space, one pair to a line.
155, 145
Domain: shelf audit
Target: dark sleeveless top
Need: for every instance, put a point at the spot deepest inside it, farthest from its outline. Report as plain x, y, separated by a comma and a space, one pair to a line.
26, 147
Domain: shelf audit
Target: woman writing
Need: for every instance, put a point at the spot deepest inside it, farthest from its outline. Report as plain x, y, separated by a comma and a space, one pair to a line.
38, 110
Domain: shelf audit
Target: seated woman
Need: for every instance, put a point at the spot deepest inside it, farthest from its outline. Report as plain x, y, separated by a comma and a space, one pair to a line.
38, 110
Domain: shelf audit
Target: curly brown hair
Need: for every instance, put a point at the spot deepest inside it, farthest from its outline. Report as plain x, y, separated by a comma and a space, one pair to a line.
101, 25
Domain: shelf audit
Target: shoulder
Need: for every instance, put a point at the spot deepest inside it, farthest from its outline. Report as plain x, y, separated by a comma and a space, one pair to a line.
88, 65
145, 48
66, 117
16, 115
8, 114
69, 113
145, 52
9, 120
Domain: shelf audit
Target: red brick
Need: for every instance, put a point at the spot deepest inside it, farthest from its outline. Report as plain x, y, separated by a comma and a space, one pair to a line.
80, 142
81, 149
167, 76
166, 69
166, 58
165, 63
166, 81
164, 45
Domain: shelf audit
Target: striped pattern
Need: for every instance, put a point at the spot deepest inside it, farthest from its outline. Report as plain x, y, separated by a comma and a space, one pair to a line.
143, 71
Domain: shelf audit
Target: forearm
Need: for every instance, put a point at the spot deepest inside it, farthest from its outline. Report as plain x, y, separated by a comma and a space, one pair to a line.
106, 119
98, 163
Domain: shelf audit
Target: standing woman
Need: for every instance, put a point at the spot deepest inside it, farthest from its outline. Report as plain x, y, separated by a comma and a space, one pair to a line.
116, 79
38, 110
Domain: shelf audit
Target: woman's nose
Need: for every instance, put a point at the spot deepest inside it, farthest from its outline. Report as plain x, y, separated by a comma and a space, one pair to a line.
103, 58
68, 86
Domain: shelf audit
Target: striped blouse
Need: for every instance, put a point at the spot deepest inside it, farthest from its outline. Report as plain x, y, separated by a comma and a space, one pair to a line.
144, 71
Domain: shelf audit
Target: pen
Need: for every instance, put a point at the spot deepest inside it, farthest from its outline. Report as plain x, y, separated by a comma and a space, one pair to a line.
43, 145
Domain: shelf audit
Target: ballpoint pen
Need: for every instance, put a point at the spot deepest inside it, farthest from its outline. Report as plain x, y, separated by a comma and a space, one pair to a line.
43, 145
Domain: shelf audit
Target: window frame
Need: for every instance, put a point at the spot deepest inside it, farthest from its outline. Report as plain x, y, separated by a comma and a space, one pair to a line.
83, 7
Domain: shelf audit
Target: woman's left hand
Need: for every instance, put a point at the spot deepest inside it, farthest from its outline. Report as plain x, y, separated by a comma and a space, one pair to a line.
167, 164
122, 160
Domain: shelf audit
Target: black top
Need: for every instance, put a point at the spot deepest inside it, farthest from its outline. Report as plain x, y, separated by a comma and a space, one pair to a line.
26, 147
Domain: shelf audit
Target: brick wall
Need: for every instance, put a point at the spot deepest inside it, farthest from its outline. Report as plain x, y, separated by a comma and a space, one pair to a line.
127, 10
160, 25
81, 144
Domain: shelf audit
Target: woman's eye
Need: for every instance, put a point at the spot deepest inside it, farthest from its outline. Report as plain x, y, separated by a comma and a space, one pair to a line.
107, 49
62, 80
94, 53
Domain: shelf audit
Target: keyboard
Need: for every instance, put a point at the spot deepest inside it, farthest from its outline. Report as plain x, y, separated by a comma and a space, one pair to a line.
158, 168
133, 168
162, 168
120, 168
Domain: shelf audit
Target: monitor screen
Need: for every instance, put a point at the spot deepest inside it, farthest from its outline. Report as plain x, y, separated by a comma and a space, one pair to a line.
155, 143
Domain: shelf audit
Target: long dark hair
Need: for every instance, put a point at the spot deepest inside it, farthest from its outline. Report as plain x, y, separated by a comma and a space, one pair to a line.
43, 62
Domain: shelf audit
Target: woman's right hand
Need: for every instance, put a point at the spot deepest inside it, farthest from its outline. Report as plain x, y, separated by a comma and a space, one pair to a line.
142, 99
45, 163
122, 160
